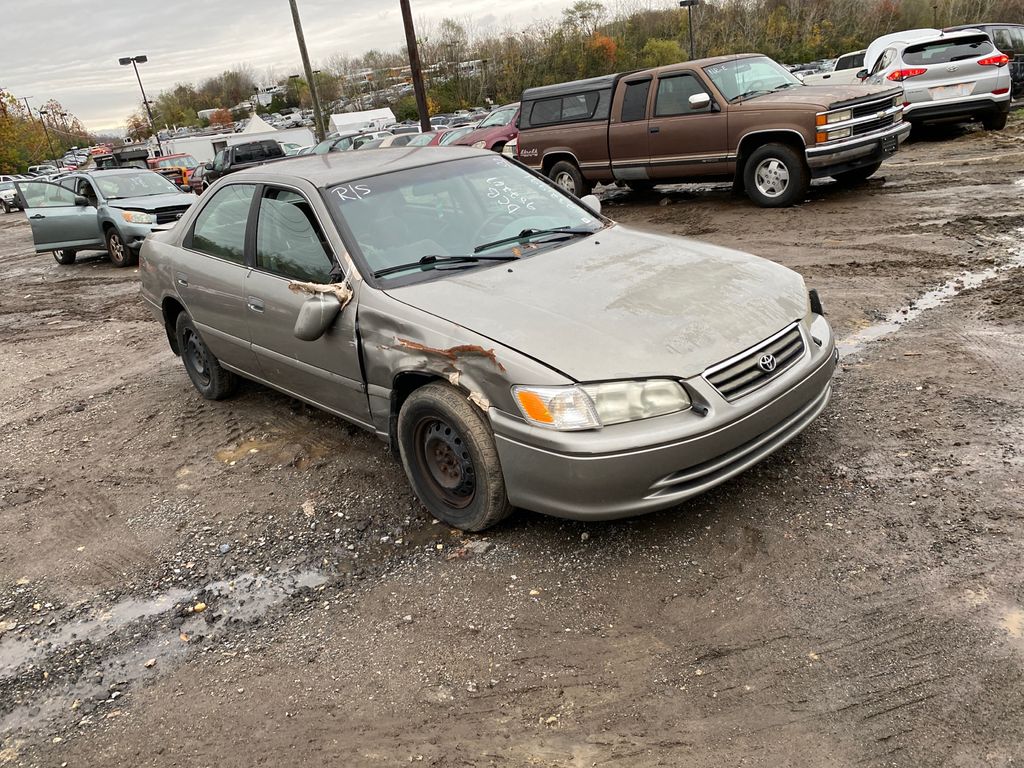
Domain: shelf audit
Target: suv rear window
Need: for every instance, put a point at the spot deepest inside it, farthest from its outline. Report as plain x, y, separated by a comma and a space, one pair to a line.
945, 51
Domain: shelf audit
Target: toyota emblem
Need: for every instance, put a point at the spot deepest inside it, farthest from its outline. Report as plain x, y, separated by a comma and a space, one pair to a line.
767, 363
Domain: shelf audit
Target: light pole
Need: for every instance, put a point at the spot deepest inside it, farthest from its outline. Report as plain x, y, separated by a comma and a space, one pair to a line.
688, 5
42, 119
414, 67
135, 61
318, 117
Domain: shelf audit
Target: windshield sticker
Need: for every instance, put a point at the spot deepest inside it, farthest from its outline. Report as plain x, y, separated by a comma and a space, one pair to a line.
352, 192
714, 70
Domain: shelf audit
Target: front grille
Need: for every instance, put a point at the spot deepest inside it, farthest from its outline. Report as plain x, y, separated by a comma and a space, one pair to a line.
874, 125
743, 374
170, 215
871, 107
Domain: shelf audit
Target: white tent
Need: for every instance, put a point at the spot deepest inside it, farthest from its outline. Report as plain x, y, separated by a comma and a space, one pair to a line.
258, 125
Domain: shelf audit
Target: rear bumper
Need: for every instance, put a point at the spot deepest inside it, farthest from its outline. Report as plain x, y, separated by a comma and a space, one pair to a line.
936, 112
575, 481
829, 159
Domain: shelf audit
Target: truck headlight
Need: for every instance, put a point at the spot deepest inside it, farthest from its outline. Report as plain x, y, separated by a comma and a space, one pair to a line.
838, 117
479, 144
592, 406
138, 217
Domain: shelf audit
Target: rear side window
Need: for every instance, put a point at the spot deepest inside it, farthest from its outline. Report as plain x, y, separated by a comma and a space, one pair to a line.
674, 94
1009, 40
243, 154
220, 227
945, 51
634, 101
288, 238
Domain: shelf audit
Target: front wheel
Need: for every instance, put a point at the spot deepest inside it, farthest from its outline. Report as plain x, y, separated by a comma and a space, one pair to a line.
775, 176
567, 176
208, 376
65, 256
120, 254
994, 121
448, 452
858, 175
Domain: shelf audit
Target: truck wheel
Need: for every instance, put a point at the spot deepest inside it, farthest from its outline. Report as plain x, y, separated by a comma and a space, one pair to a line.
858, 175
7, 208
641, 186
994, 121
120, 254
775, 176
449, 456
211, 380
65, 256
568, 177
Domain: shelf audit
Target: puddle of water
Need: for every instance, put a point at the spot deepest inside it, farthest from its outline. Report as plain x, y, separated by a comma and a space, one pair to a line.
936, 297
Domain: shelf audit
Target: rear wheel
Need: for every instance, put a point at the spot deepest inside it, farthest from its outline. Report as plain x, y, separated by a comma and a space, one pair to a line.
203, 368
994, 121
857, 175
567, 176
65, 256
775, 176
448, 452
120, 254
6, 206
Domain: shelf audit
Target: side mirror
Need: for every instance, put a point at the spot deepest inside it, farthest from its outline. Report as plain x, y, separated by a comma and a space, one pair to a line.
184, 187
208, 166
316, 315
862, 75
592, 202
699, 101
81, 201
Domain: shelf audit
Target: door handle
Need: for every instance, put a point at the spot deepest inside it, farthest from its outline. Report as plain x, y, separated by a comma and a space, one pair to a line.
256, 305
37, 216
182, 279
655, 129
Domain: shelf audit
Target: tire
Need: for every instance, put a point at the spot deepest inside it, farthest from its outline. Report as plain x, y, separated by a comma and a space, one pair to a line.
640, 186
567, 176
65, 256
7, 208
775, 176
208, 377
994, 121
448, 452
498, 147
858, 175
120, 254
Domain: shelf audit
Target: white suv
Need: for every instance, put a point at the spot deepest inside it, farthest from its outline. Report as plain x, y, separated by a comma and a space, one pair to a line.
946, 76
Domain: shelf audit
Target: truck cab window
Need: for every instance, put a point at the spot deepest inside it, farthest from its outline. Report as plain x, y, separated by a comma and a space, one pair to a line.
634, 101
673, 97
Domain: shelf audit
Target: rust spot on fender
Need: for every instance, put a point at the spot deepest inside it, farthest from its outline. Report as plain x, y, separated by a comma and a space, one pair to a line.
453, 353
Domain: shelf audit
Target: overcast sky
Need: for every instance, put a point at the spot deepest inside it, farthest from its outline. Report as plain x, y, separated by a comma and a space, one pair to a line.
68, 49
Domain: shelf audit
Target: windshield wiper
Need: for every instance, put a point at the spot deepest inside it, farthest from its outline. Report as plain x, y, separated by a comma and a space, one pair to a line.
432, 261
530, 232
785, 85
748, 94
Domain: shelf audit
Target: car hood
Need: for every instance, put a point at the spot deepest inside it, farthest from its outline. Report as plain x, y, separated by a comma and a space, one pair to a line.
820, 96
153, 202
484, 134
621, 304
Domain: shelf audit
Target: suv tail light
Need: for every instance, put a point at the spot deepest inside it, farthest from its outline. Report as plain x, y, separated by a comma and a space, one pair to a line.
902, 74
1000, 60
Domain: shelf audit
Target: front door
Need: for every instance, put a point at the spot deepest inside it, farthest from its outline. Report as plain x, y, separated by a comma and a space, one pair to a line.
290, 246
57, 221
686, 140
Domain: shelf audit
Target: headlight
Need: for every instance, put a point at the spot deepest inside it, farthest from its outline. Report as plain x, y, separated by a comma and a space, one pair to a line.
137, 217
479, 144
592, 406
842, 133
838, 117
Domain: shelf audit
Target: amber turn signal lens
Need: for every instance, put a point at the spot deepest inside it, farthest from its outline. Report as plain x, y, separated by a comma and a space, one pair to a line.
534, 407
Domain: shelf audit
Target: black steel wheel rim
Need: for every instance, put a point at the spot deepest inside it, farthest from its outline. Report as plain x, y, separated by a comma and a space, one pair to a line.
195, 357
445, 461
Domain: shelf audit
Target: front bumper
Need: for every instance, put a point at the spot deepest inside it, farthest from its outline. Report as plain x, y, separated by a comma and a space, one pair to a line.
649, 465
134, 234
849, 154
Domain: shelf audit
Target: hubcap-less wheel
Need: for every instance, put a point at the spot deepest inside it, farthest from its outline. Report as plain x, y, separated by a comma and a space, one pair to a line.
566, 181
441, 451
118, 253
195, 357
771, 177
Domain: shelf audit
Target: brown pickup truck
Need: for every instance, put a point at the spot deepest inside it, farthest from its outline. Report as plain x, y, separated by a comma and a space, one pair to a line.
743, 119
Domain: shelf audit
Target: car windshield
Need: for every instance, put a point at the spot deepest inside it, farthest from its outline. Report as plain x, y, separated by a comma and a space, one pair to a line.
743, 78
178, 162
454, 135
422, 140
462, 208
499, 117
5, 185
143, 184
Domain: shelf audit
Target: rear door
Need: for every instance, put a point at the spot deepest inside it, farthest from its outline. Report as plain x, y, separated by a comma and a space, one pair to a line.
290, 246
628, 145
57, 221
684, 140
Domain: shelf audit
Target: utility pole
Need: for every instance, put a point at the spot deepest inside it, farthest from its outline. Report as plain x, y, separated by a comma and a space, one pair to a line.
318, 116
688, 5
414, 66
31, 117
42, 120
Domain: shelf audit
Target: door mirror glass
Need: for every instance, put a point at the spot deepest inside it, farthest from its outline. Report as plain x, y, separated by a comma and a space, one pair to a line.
862, 75
699, 101
316, 315
81, 201
592, 202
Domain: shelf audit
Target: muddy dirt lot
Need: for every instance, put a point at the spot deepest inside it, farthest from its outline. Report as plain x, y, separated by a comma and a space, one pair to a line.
252, 583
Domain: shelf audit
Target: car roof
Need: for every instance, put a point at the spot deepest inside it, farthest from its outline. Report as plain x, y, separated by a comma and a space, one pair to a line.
337, 167
115, 171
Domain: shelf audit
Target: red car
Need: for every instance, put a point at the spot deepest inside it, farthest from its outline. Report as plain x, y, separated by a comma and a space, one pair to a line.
441, 138
495, 130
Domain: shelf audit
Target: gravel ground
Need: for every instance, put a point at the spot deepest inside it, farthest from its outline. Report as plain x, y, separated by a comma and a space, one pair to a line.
251, 582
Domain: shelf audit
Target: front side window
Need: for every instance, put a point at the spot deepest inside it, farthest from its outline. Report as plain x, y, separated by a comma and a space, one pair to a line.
43, 194
673, 97
288, 238
887, 57
634, 101
220, 227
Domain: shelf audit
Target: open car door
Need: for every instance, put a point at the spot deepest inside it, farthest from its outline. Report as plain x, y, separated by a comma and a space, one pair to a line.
59, 218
